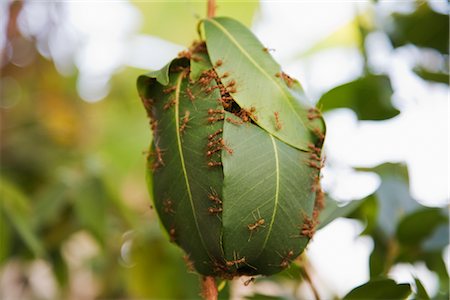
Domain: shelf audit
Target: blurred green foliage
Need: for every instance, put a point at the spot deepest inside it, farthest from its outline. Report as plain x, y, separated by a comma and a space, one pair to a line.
72, 180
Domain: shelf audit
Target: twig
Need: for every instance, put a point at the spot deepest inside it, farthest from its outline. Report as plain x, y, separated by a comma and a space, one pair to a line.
211, 9
305, 272
209, 288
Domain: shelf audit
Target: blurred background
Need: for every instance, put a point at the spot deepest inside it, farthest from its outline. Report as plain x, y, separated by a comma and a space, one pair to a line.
75, 216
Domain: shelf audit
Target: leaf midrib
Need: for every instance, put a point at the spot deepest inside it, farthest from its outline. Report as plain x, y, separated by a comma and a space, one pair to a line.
277, 192
183, 165
233, 40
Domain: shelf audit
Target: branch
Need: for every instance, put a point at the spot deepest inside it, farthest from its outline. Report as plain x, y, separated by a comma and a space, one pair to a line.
209, 288
211, 9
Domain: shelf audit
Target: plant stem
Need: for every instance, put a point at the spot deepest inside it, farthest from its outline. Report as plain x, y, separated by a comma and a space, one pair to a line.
305, 268
211, 9
209, 288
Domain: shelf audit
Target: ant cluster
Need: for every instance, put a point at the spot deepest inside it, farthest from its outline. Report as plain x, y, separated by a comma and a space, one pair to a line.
287, 79
196, 47
213, 139
184, 122
214, 198
309, 226
157, 154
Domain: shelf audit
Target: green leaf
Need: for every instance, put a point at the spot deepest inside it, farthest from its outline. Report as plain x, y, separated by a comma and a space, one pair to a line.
91, 207
16, 207
278, 106
181, 17
6, 238
369, 97
417, 226
384, 289
161, 76
423, 28
440, 77
258, 296
421, 293
333, 211
438, 240
180, 187
393, 197
276, 188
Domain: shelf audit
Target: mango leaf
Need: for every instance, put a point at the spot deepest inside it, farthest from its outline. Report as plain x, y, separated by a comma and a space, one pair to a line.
17, 209
369, 97
440, 77
156, 268
333, 211
380, 289
6, 238
423, 28
278, 191
91, 205
421, 293
277, 102
184, 208
258, 296
393, 198
417, 226
438, 240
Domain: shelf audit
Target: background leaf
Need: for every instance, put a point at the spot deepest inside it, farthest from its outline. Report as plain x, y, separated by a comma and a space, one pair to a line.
380, 289
369, 97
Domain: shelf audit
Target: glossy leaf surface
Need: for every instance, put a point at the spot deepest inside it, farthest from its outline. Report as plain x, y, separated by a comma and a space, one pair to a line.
380, 289
259, 82
180, 186
264, 179
369, 97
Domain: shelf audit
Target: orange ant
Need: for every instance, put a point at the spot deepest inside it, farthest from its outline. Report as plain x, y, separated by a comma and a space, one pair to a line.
212, 136
169, 104
287, 259
154, 125
168, 207
213, 196
314, 148
313, 113
319, 134
315, 165
225, 75
278, 124
215, 119
215, 111
190, 94
214, 142
189, 263
215, 210
232, 121
169, 90
287, 79
219, 62
253, 227
247, 114
236, 261
214, 163
185, 121
309, 227
159, 160
172, 234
